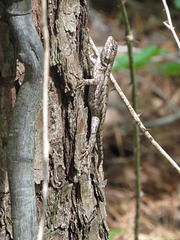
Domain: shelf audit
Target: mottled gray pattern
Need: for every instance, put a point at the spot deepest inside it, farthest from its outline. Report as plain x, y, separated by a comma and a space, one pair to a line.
98, 95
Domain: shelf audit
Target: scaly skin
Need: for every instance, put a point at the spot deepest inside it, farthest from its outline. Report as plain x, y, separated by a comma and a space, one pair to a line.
98, 95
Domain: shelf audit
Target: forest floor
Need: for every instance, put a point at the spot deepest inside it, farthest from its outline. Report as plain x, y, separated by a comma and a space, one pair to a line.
158, 97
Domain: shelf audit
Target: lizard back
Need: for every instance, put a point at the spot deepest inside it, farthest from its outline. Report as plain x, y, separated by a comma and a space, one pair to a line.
98, 94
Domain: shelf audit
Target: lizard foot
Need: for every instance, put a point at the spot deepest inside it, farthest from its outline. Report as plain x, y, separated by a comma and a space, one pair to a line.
80, 84
85, 152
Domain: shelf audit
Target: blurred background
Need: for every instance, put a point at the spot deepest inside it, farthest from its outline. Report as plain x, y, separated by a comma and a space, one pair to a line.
157, 62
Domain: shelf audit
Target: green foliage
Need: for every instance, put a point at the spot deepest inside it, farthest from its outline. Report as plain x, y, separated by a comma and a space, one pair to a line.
141, 59
170, 69
113, 233
177, 4
145, 58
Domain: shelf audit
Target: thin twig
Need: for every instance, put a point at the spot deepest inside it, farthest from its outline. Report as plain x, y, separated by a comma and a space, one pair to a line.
169, 24
45, 116
142, 127
169, 119
129, 39
137, 119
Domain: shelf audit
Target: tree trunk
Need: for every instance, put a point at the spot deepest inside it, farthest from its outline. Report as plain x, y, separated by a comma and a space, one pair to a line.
7, 99
76, 202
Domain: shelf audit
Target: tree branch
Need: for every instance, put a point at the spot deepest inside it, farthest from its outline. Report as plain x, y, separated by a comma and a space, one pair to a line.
169, 24
129, 39
45, 32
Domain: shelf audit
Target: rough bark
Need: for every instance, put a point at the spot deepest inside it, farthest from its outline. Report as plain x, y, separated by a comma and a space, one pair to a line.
7, 99
76, 202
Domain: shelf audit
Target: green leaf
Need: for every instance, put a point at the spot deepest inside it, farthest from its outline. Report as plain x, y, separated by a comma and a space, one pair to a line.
121, 62
170, 69
177, 4
113, 233
141, 59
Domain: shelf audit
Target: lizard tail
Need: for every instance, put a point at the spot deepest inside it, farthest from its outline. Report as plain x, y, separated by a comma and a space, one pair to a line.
100, 132
100, 148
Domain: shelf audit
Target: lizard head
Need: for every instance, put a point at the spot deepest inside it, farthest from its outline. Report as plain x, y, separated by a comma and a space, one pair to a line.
109, 51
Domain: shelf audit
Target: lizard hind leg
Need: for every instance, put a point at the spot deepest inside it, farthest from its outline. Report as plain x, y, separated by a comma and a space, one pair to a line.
92, 140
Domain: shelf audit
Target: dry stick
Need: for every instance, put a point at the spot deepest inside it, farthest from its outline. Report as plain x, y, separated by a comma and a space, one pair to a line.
45, 116
142, 127
169, 24
137, 119
129, 39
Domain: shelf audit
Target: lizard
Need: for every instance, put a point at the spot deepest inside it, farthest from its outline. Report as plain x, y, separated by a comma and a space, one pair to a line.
98, 96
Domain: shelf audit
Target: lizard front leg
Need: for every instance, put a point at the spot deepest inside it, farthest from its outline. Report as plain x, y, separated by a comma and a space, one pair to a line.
87, 82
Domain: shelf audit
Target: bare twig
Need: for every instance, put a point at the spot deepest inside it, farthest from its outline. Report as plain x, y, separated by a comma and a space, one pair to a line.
137, 119
129, 39
169, 24
169, 119
45, 115
142, 127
